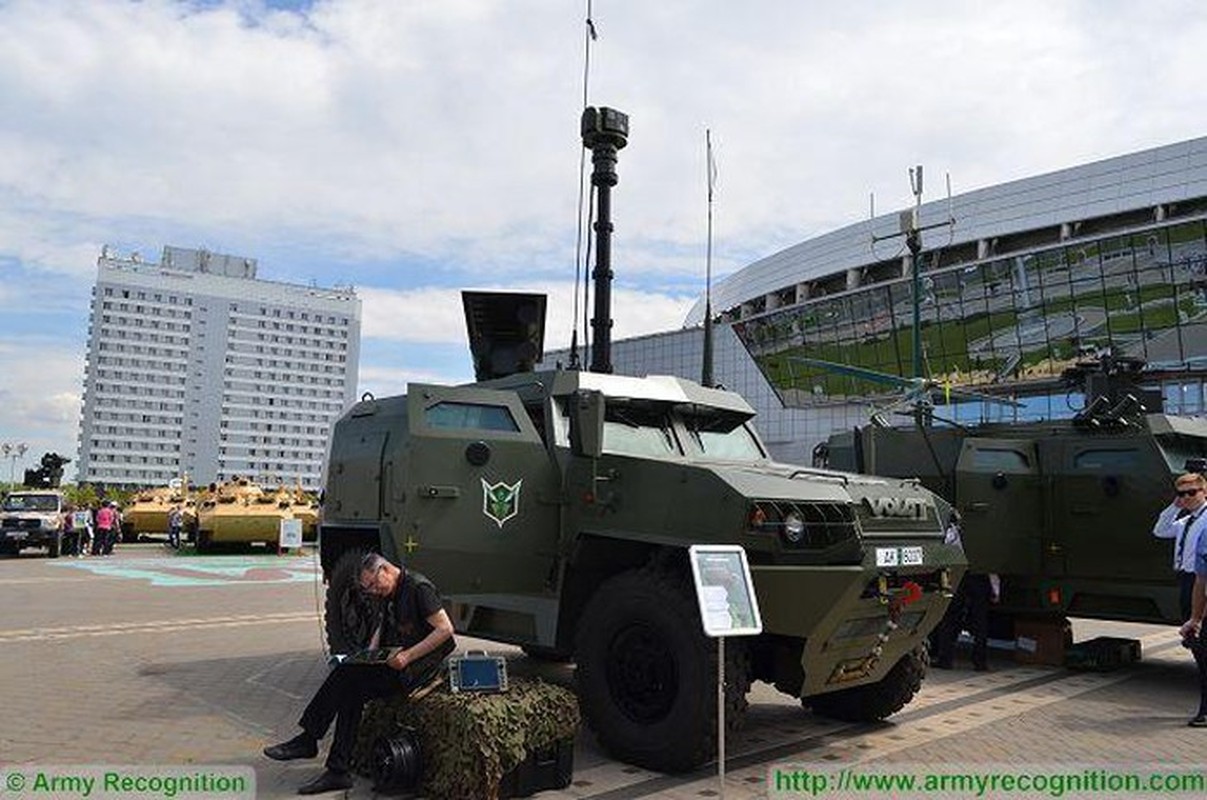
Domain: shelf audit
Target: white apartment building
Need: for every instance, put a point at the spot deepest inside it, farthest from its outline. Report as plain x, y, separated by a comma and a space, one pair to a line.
196, 367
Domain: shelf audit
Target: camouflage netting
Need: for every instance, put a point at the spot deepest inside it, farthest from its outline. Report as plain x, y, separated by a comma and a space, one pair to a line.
469, 741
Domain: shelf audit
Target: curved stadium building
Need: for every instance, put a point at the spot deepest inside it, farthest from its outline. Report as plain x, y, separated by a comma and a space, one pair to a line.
1028, 278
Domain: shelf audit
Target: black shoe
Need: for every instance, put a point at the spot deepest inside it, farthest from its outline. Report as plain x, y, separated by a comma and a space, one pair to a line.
300, 746
327, 781
1198, 722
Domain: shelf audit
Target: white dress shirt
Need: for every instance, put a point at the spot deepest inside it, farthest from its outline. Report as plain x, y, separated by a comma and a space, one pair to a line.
1170, 526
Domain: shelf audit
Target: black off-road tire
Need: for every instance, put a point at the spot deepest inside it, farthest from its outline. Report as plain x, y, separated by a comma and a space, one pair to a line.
646, 676
350, 616
876, 701
55, 547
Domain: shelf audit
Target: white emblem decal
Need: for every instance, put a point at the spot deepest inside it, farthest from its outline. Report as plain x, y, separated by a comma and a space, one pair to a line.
500, 502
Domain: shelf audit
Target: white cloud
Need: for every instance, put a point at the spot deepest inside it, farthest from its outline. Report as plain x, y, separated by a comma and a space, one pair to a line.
436, 315
448, 130
39, 398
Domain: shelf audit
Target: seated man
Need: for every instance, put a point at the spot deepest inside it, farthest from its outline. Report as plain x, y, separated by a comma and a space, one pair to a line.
415, 622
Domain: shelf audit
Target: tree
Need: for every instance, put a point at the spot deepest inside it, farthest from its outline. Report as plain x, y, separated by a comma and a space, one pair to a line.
82, 496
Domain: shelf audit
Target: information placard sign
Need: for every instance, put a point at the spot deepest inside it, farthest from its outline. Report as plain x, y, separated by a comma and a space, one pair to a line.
291, 533
724, 590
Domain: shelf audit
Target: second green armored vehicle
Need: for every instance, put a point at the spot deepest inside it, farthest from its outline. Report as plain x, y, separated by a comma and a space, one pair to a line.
554, 510
1062, 510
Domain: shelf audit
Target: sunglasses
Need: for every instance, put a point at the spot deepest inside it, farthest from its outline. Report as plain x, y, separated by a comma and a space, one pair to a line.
1187, 492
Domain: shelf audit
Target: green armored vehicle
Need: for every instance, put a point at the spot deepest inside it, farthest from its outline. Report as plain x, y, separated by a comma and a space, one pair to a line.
554, 510
1063, 510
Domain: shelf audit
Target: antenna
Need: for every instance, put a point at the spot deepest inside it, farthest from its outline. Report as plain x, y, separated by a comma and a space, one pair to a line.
589, 35
911, 229
706, 369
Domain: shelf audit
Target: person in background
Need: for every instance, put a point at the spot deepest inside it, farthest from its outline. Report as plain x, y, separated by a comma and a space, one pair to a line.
969, 610
1183, 521
71, 537
175, 521
106, 522
1193, 636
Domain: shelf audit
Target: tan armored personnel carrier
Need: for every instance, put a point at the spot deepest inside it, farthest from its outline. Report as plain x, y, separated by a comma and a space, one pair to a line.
241, 512
147, 511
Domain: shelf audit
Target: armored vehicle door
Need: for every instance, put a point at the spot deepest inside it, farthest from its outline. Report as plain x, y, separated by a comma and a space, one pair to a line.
481, 493
999, 495
1102, 510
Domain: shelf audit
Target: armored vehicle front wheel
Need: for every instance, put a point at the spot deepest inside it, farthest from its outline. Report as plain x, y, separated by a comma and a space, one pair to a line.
875, 701
129, 535
647, 674
350, 615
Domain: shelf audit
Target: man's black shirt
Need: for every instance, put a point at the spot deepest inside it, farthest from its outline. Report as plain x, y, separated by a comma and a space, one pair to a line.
407, 611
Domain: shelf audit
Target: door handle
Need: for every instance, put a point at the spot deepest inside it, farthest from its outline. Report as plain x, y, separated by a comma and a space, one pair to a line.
440, 492
978, 506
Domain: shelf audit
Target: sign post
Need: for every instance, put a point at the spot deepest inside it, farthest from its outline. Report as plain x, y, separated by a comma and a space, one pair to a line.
291, 535
728, 607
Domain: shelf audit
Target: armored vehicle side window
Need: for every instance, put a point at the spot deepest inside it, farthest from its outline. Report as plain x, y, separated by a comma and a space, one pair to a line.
470, 416
636, 431
1004, 460
1112, 460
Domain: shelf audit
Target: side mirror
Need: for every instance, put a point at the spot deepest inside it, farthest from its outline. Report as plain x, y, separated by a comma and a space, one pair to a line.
587, 423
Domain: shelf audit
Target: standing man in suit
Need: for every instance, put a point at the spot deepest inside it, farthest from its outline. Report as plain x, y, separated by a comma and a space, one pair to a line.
1183, 521
1194, 636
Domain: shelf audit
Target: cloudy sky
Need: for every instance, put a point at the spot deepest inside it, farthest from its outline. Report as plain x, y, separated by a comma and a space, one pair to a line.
412, 148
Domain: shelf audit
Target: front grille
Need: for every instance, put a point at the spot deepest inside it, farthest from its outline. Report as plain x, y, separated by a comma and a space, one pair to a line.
825, 524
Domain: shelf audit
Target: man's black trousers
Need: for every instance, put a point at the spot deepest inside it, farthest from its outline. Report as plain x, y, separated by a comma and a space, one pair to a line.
343, 695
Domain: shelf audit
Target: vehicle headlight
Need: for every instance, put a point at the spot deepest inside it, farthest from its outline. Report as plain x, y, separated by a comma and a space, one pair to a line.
794, 527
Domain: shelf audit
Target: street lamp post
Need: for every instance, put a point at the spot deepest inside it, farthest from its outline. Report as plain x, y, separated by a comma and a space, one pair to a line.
13, 451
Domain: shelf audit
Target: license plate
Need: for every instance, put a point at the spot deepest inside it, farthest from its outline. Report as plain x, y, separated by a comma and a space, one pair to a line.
911, 556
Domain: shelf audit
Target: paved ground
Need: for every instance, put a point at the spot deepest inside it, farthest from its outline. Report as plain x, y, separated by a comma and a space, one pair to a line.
148, 658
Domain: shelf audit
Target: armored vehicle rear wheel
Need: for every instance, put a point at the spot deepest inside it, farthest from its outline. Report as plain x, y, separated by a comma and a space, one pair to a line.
647, 674
875, 701
350, 615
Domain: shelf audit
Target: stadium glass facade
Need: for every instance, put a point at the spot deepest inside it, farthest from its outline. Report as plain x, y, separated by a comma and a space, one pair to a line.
1008, 325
